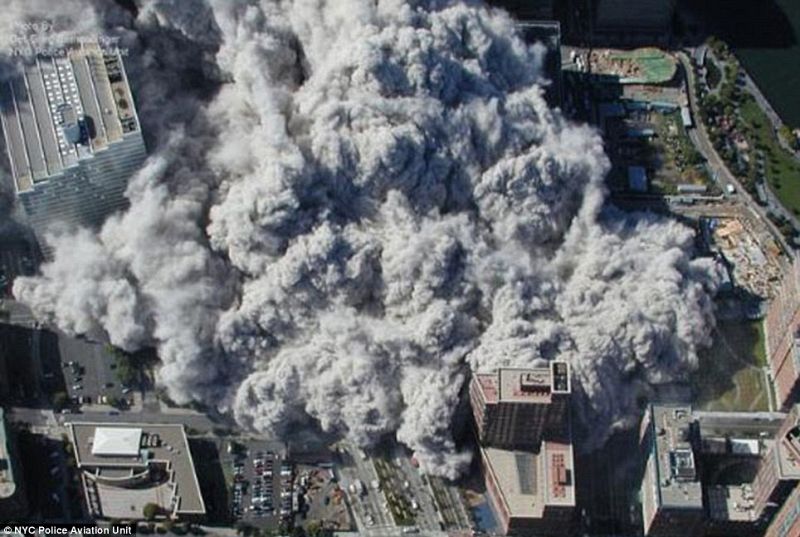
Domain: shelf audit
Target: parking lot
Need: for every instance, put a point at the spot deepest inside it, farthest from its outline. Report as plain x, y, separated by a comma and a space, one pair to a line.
262, 486
88, 369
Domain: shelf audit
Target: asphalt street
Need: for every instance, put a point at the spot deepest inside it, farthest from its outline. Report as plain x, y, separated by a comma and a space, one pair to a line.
701, 141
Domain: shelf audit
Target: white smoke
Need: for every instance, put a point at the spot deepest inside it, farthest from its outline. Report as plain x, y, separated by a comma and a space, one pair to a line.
349, 205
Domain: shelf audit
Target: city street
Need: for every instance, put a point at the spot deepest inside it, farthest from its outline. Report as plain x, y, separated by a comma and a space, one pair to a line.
370, 505
428, 517
700, 139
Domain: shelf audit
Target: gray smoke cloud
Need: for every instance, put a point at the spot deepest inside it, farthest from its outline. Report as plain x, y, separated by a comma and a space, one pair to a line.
351, 204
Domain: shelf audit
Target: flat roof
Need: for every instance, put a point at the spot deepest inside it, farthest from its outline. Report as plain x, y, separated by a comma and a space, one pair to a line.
529, 481
731, 503
159, 443
678, 483
525, 385
84, 91
741, 425
530, 385
117, 441
789, 453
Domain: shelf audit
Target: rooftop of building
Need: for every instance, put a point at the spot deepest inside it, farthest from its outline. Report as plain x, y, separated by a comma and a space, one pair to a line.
742, 425
527, 481
533, 385
115, 450
62, 109
734, 503
789, 453
678, 482
8, 484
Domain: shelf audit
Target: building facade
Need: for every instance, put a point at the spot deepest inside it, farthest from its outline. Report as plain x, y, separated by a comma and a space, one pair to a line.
782, 327
786, 522
513, 408
779, 473
672, 495
73, 137
12, 497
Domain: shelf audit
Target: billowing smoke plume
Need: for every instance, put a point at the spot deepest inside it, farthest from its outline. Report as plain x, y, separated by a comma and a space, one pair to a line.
350, 205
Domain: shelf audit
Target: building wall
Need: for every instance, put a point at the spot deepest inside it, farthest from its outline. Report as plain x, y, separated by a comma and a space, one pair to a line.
493, 491
87, 193
769, 489
478, 405
787, 521
14, 506
515, 424
4, 377
677, 523
512, 425
766, 481
519, 425
782, 324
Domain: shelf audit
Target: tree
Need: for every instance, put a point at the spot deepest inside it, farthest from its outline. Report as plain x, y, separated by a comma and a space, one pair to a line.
150, 511
243, 528
788, 135
60, 400
117, 402
314, 528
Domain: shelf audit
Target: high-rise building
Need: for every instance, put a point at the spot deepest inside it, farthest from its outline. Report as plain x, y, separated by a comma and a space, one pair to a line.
514, 407
672, 495
12, 498
786, 522
548, 34
528, 9
522, 422
72, 135
782, 327
779, 473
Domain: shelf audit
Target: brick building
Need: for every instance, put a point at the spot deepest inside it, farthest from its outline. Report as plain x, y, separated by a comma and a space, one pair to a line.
782, 327
522, 422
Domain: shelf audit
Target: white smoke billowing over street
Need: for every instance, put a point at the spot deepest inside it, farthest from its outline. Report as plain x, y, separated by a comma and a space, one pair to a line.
351, 204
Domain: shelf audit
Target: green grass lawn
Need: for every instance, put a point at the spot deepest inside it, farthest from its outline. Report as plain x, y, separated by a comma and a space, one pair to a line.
782, 169
680, 161
730, 376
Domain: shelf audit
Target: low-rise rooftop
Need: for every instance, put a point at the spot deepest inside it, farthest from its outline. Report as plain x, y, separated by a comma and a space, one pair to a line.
789, 454
126, 466
527, 482
732, 503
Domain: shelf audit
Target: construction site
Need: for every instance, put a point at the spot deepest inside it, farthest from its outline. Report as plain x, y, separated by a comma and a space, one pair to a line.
754, 266
639, 66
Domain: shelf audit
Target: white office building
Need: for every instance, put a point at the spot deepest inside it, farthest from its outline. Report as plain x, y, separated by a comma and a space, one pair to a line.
73, 137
